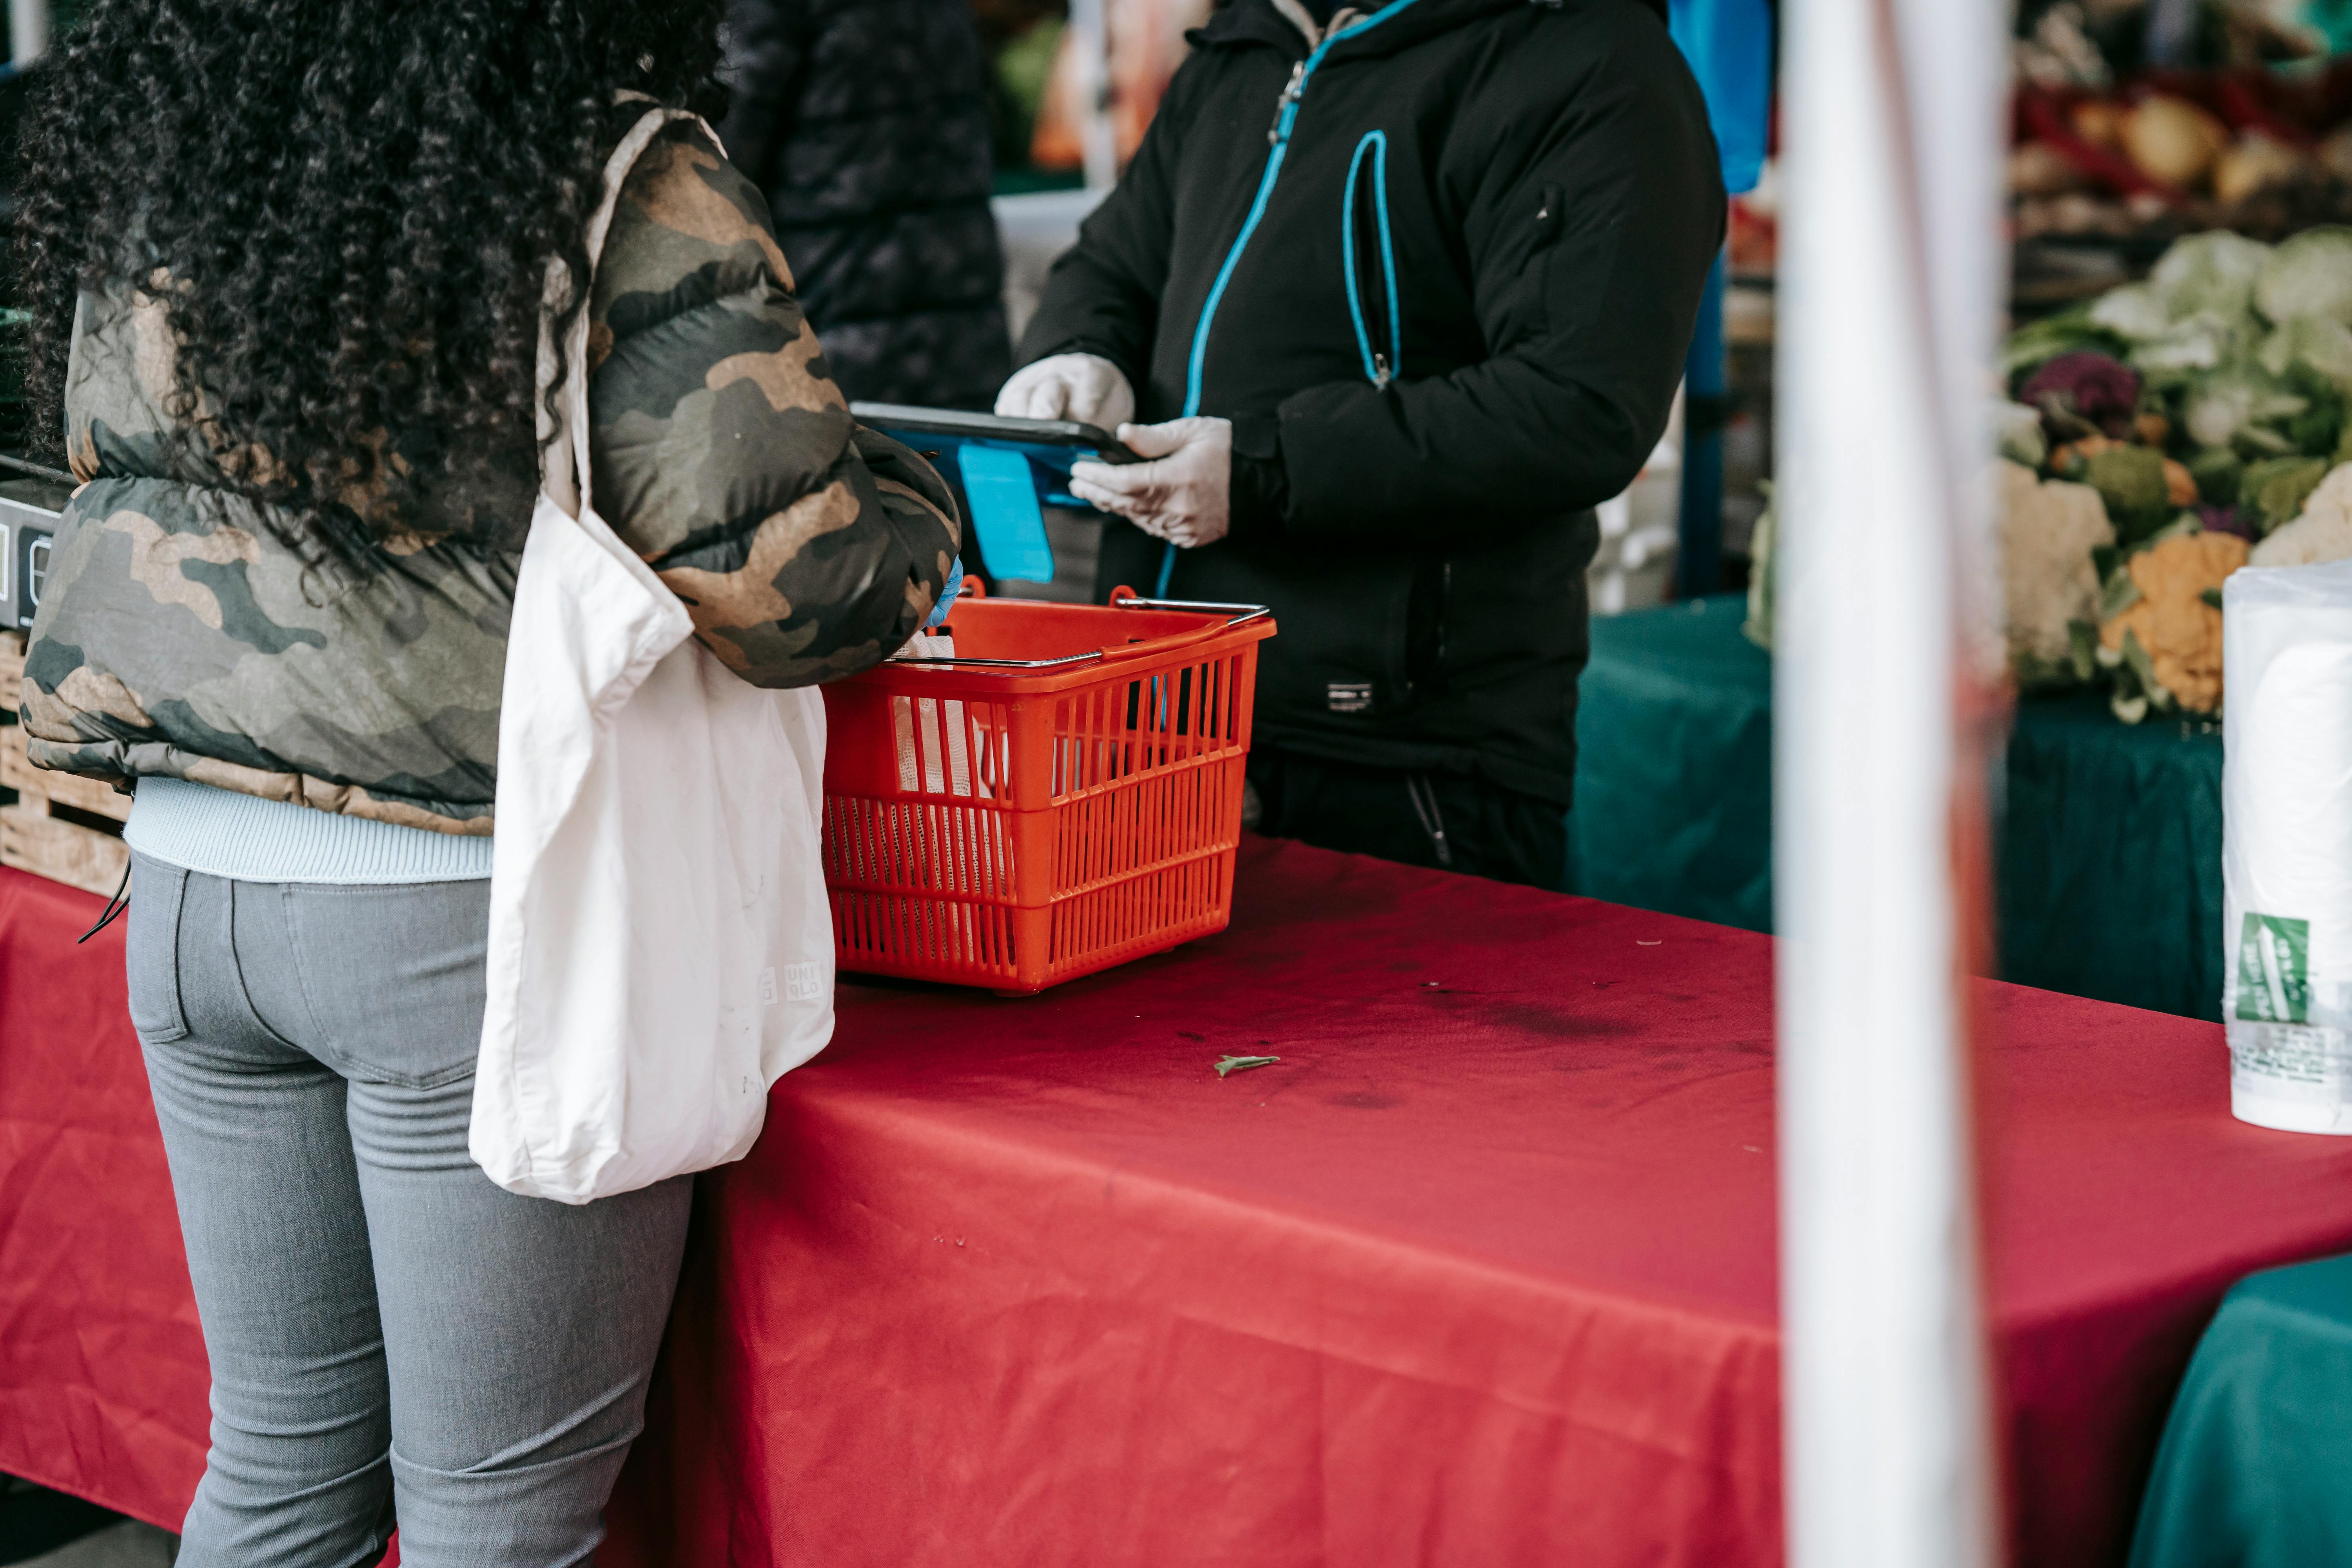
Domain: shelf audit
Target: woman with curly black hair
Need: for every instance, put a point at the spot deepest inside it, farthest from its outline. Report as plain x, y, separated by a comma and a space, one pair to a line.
290, 263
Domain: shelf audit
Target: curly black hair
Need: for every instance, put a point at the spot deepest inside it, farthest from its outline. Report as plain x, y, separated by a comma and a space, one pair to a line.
347, 208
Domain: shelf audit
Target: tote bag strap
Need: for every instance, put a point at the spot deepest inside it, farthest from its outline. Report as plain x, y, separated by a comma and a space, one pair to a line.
564, 464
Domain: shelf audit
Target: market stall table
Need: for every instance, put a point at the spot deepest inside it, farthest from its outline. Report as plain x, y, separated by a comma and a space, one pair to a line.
2109, 882
1482, 1271
2252, 1469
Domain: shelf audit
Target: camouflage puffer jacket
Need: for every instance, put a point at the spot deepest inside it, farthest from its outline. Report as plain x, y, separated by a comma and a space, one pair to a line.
177, 636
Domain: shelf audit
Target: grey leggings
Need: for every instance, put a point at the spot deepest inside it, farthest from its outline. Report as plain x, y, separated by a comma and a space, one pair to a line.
390, 1334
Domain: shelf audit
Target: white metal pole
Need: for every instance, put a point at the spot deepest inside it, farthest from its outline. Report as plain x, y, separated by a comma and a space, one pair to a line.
1889, 282
28, 31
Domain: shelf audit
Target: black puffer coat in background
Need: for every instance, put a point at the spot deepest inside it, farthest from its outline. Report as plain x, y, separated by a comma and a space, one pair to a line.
865, 123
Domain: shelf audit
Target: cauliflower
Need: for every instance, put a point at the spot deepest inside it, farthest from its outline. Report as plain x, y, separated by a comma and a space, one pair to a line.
2047, 534
2019, 430
2136, 310
2324, 531
2084, 388
2168, 630
2228, 405
2310, 275
2213, 271
2319, 341
2202, 342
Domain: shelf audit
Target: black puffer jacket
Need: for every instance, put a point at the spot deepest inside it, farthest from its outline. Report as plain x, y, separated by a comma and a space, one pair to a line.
1440, 273
865, 123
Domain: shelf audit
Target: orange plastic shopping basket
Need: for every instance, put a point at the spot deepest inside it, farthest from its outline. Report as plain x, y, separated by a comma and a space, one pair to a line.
1060, 794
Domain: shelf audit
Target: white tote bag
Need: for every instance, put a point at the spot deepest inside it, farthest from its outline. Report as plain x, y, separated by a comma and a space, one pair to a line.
660, 950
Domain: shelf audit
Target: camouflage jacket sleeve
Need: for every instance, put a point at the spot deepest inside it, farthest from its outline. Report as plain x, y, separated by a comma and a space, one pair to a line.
806, 547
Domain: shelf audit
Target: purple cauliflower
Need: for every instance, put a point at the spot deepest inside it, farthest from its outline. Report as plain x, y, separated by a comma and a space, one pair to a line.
2084, 388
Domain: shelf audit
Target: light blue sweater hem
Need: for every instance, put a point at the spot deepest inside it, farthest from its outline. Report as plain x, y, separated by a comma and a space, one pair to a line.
220, 832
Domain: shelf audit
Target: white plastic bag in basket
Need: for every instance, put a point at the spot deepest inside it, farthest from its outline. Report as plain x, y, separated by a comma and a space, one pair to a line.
933, 737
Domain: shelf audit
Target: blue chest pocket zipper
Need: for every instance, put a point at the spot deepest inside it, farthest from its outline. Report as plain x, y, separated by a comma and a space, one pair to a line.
1363, 228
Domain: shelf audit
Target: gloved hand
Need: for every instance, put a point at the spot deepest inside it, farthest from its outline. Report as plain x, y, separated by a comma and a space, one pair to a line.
1085, 387
1184, 496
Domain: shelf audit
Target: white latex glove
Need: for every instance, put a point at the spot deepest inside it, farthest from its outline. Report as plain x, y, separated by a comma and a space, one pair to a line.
1183, 495
1085, 387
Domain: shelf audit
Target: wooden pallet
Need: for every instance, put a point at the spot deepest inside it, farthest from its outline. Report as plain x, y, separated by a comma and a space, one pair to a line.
62, 850
66, 829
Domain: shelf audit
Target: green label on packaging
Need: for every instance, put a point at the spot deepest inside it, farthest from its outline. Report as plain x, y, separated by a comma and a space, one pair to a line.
2274, 970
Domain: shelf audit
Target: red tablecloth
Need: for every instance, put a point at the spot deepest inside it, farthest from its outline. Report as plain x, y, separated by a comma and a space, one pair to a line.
102, 1373
1482, 1272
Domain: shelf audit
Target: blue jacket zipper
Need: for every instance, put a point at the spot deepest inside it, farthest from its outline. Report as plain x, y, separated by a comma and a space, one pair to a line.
1380, 368
1285, 117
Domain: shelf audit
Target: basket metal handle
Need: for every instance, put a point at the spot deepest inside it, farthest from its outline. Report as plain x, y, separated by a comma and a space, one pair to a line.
1239, 615
999, 663
1124, 598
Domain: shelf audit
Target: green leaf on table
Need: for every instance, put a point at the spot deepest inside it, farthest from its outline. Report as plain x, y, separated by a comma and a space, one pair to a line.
1242, 1064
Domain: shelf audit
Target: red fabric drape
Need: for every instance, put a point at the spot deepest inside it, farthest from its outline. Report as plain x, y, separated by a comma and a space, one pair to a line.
1481, 1272
102, 1372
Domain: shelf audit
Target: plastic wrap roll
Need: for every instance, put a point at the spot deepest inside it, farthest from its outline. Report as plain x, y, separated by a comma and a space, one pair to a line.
2286, 872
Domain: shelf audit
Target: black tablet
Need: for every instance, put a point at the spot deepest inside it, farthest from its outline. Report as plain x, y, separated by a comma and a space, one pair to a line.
956, 425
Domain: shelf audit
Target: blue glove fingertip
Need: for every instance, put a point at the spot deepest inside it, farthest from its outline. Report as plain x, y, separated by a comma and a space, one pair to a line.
948, 595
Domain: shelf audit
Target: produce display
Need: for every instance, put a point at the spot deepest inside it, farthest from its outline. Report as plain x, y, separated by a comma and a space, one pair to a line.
2128, 128
2163, 627
2203, 414
2050, 530
2324, 531
2192, 153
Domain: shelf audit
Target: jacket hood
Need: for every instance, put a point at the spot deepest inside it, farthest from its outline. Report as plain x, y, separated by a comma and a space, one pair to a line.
1257, 21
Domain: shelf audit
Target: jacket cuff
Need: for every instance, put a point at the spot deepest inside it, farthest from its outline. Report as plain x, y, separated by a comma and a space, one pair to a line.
1258, 491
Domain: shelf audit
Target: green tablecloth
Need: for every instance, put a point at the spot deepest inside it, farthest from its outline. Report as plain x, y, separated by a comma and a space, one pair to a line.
2110, 840
2256, 1467
1674, 766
